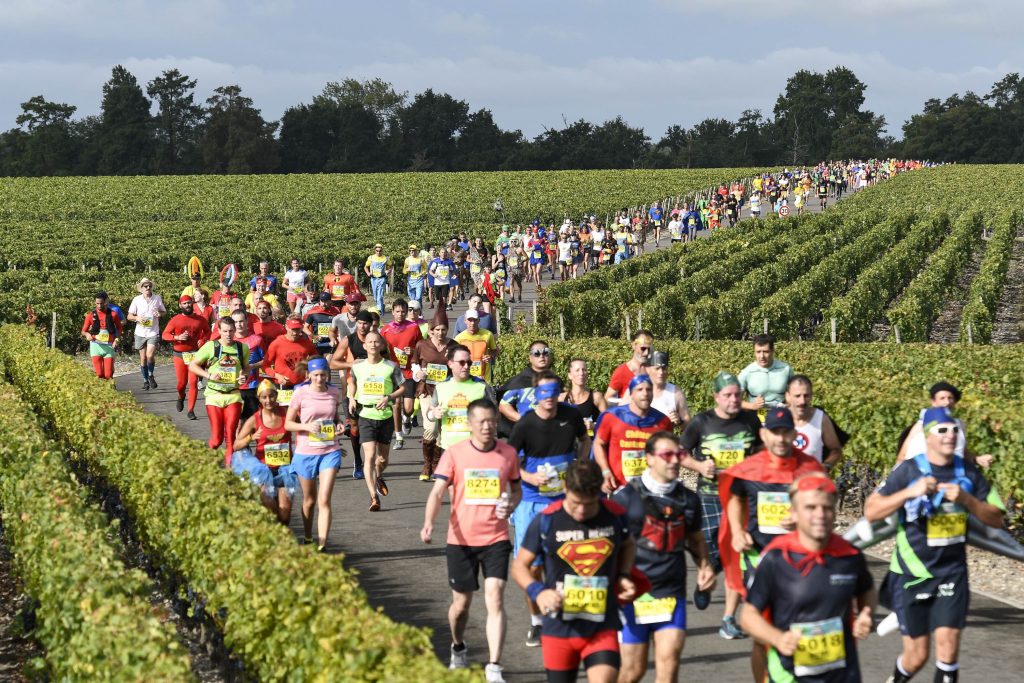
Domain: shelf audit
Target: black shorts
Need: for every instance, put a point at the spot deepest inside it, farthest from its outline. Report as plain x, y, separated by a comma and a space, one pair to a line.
441, 291
931, 604
465, 561
409, 386
376, 431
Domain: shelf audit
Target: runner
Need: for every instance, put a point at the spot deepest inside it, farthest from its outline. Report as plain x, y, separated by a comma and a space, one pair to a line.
249, 381
664, 518
374, 383
587, 553
378, 267
312, 416
416, 316
415, 269
943, 395
622, 433
517, 394
401, 336
822, 192
264, 453
487, 321
675, 229
349, 350
442, 270
692, 222
717, 439
221, 301
317, 324
285, 354
145, 311
547, 439
430, 368
344, 324
263, 271
294, 283
195, 285
223, 363
481, 475
187, 332
481, 345
450, 398
934, 492
537, 246
261, 292
812, 595
642, 344
765, 380
265, 326
579, 395
815, 430
755, 497
339, 283
668, 398
656, 214
515, 260
102, 329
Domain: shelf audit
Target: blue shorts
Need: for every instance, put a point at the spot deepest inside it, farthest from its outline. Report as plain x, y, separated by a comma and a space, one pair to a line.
247, 466
521, 518
639, 634
310, 466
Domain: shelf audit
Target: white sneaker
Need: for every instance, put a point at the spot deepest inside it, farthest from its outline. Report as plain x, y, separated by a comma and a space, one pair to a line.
407, 425
459, 660
493, 673
399, 442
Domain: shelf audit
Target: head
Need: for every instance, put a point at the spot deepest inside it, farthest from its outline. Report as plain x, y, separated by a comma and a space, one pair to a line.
483, 420
101, 300
727, 394
352, 305
642, 341
196, 281
657, 368
438, 331
778, 432
812, 500
264, 312
318, 373
799, 395
226, 327
266, 393
241, 323
663, 456
459, 360
237, 304
415, 310
295, 264
583, 482
261, 285
579, 373
198, 295
764, 350
944, 395
339, 267
474, 302
374, 343
540, 356
547, 386
472, 321
265, 267
364, 321
293, 327
187, 304
443, 253
400, 310
940, 431
145, 286
641, 393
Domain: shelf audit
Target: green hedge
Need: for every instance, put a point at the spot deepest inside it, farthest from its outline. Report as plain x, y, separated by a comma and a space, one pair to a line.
872, 390
94, 616
286, 612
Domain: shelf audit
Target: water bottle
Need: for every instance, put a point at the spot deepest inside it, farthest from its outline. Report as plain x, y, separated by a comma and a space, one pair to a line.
501, 509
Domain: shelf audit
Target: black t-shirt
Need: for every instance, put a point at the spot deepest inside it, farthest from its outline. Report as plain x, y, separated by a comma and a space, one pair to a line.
766, 505
820, 602
581, 558
708, 435
320, 323
538, 438
660, 525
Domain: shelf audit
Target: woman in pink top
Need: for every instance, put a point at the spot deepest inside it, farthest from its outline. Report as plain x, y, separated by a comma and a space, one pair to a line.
312, 415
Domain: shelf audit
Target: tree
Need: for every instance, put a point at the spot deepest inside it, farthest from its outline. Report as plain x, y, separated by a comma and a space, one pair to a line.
619, 145
329, 137
428, 129
125, 135
177, 122
236, 139
376, 96
483, 146
802, 118
46, 146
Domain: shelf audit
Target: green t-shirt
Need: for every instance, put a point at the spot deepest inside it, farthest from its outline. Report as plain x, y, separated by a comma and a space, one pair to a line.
374, 381
227, 369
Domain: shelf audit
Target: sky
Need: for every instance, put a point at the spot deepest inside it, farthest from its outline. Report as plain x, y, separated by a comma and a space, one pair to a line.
535, 65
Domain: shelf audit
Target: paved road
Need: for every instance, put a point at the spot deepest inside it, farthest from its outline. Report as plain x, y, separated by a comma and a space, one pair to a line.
407, 579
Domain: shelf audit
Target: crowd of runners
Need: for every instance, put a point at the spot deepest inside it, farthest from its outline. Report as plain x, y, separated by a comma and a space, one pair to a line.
589, 498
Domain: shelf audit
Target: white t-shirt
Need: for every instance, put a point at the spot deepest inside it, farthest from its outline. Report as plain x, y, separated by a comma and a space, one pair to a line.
295, 281
564, 250
149, 311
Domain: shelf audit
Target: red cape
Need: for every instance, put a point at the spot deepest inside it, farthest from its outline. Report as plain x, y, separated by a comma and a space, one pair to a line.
765, 468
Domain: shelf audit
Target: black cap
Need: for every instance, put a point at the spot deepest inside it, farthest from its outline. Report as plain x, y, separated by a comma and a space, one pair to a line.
325, 296
779, 417
944, 386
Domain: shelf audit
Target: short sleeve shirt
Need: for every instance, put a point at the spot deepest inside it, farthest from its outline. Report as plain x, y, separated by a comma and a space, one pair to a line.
475, 480
768, 382
727, 441
311, 407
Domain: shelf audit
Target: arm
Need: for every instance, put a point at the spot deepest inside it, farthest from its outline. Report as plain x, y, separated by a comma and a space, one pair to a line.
434, 501
291, 422
865, 605
601, 458
547, 599
168, 332
699, 551
765, 632
339, 358
741, 539
627, 555
583, 444
509, 412
600, 401
246, 433
831, 441
878, 506
988, 513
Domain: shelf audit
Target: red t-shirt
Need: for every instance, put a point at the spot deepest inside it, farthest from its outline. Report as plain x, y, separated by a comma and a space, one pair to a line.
196, 326
399, 338
269, 331
92, 315
283, 355
620, 379
625, 434
340, 286
472, 520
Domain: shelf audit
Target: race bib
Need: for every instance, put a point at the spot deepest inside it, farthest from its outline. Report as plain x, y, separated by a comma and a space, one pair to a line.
772, 510
277, 454
187, 357
456, 414
227, 376
224, 310
401, 357
284, 397
762, 413
948, 526
414, 268
147, 321
553, 486
633, 464
651, 610
477, 368
323, 330
337, 291
441, 272
324, 435
822, 647
436, 373
584, 597
372, 391
475, 268
728, 453
483, 487
103, 336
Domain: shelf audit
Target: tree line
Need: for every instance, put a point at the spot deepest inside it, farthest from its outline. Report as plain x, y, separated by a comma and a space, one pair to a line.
369, 126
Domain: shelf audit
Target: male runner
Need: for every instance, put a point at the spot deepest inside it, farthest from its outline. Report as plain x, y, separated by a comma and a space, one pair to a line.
517, 393
339, 283
765, 380
912, 441
815, 430
402, 335
481, 344
642, 344
622, 432
187, 332
451, 398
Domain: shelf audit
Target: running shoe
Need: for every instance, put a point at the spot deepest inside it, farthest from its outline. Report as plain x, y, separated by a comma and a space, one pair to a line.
730, 630
357, 474
460, 658
533, 637
407, 425
152, 382
145, 384
382, 486
192, 415
374, 505
399, 442
425, 477
701, 599
493, 673
180, 404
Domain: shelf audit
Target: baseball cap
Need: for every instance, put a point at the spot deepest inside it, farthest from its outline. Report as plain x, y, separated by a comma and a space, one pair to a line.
293, 324
325, 296
413, 246
415, 305
722, 380
937, 416
185, 299
378, 246
658, 359
779, 417
472, 313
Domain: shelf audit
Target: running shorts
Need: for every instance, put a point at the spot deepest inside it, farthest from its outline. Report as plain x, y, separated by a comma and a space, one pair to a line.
926, 606
639, 634
376, 431
565, 654
310, 466
466, 561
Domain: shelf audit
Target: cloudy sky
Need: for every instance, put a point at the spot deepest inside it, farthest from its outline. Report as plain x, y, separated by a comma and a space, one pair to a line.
533, 64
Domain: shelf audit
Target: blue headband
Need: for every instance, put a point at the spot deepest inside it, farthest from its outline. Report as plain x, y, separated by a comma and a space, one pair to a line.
546, 391
318, 364
638, 380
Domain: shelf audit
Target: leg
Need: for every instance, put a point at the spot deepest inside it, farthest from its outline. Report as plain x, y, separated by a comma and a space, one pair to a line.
494, 595
150, 350
108, 367
758, 662
181, 377
947, 646
232, 413
308, 501
284, 506
383, 452
97, 365
668, 647
323, 501
370, 467
216, 416
634, 662
915, 654
458, 615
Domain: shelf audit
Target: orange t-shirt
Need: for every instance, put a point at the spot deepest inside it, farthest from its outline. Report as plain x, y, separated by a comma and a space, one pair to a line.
476, 479
339, 286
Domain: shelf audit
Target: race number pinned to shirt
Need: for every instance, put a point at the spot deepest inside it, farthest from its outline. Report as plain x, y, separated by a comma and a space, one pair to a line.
948, 526
284, 397
187, 357
277, 454
402, 358
762, 413
323, 435
772, 510
650, 610
483, 487
436, 373
323, 331
337, 292
372, 391
727, 453
103, 336
584, 597
633, 464
477, 368
822, 647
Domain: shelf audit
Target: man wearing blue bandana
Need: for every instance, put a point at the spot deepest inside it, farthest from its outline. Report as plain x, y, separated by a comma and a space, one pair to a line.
622, 433
547, 438
933, 492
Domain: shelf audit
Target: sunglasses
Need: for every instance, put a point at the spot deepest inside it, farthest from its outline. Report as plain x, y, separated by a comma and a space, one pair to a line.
669, 455
537, 353
644, 348
945, 430
147, 286
462, 362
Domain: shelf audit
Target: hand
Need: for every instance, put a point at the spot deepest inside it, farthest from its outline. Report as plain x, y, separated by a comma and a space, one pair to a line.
436, 413
742, 541
352, 406
924, 486
257, 434
952, 492
419, 375
706, 578
533, 479
862, 624
627, 589
502, 509
707, 468
984, 461
788, 524
382, 404
758, 402
426, 532
549, 601
786, 643
214, 376
90, 337
486, 358
280, 379
609, 483
674, 416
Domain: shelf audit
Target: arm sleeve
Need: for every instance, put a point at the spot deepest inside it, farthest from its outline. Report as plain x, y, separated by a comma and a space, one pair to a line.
396, 377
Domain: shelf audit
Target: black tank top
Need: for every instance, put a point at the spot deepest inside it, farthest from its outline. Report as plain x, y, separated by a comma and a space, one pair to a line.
587, 408
355, 345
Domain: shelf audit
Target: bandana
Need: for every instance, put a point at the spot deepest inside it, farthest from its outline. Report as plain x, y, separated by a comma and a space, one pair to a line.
546, 391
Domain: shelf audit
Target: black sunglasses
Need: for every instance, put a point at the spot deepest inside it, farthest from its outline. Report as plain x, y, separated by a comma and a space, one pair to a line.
537, 353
